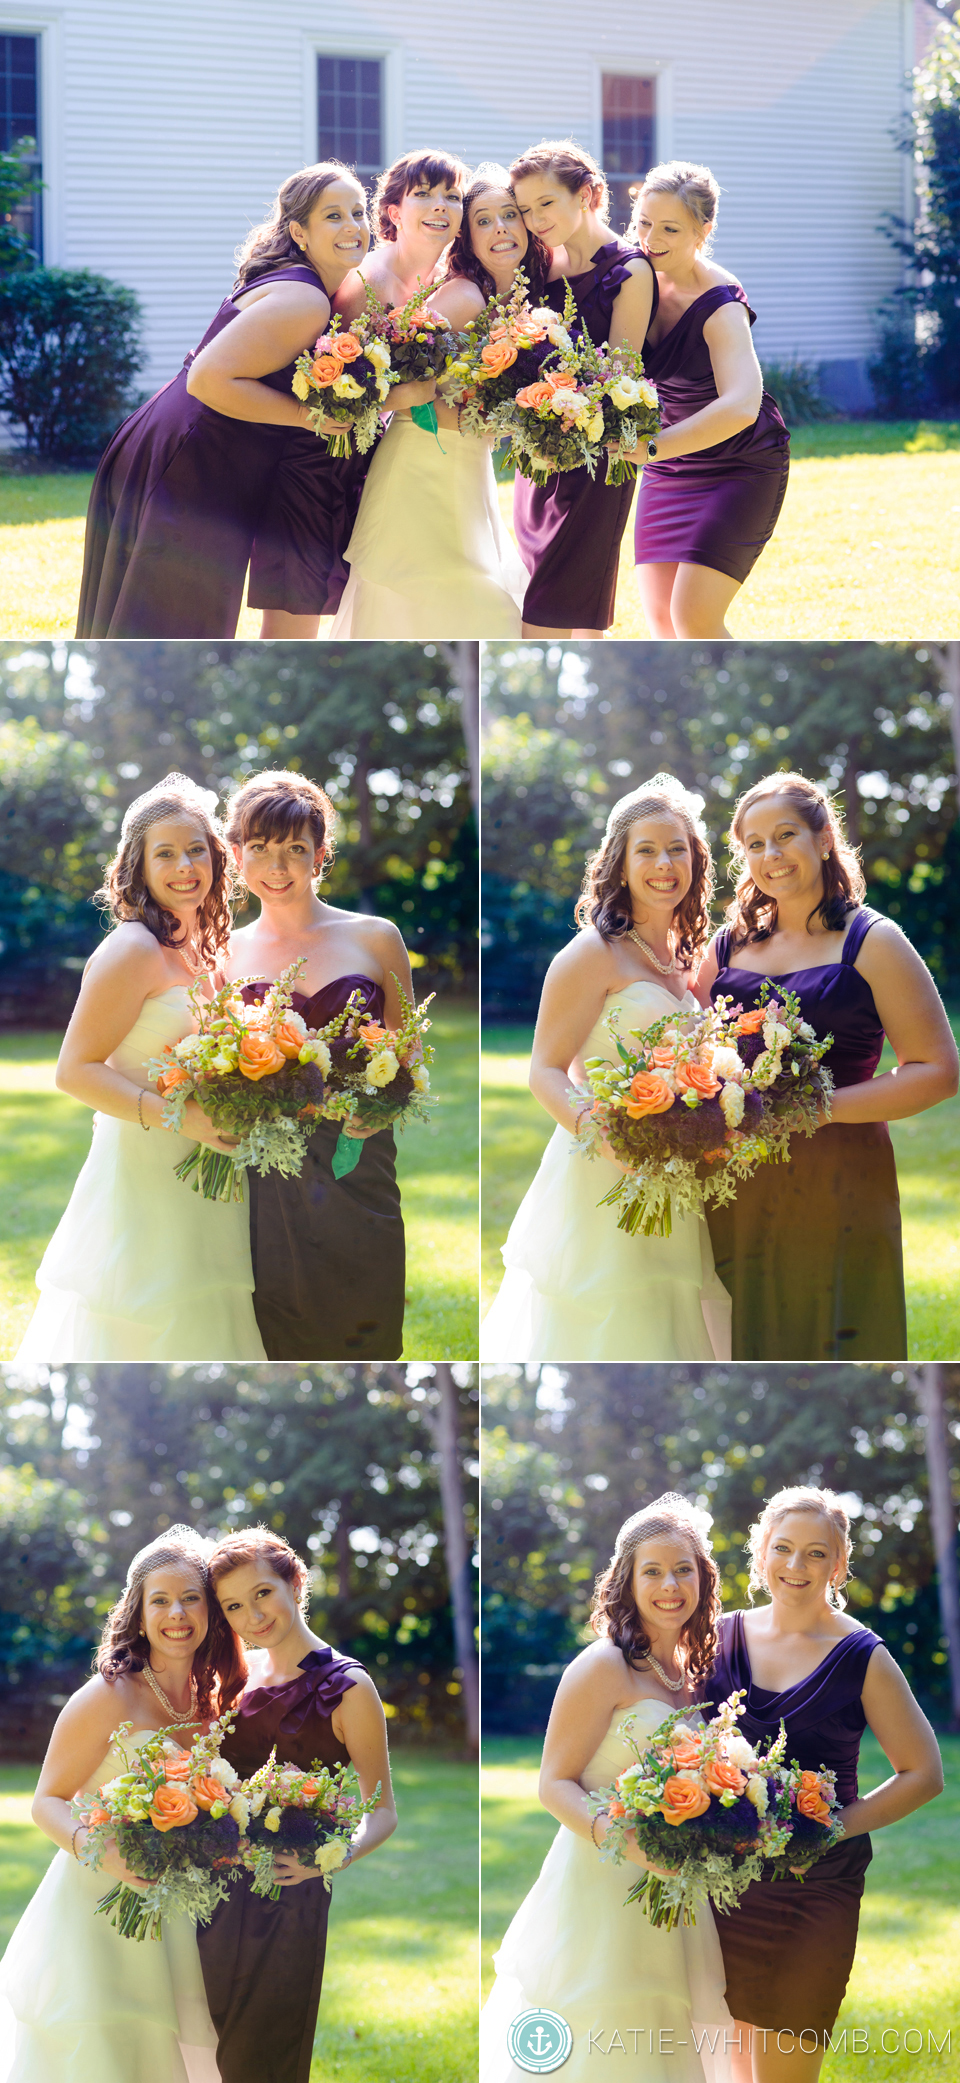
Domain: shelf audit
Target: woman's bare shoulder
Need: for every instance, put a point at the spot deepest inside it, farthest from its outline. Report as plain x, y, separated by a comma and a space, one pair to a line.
586, 957
131, 946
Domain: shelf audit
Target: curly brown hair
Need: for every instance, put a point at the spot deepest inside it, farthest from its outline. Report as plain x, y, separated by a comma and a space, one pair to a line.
615, 1613
571, 163
271, 245
124, 892
605, 900
752, 914
258, 1544
461, 259
409, 172
124, 1648
276, 805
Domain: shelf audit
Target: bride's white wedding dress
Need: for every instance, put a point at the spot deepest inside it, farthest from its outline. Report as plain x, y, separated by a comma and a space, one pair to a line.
139, 1267
578, 1288
429, 555
575, 1949
80, 2004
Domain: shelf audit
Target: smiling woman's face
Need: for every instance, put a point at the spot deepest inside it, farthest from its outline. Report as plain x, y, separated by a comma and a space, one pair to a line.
259, 1606
431, 214
784, 856
658, 865
497, 232
670, 236
177, 867
336, 234
801, 1557
279, 871
174, 1614
666, 1584
550, 210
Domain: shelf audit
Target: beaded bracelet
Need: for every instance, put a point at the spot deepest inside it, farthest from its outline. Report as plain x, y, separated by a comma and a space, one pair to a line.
144, 1124
73, 1840
593, 1832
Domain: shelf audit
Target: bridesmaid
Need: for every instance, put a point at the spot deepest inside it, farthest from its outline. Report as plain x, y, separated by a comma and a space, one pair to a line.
810, 1251
788, 1950
710, 501
328, 1254
222, 467
569, 530
263, 1961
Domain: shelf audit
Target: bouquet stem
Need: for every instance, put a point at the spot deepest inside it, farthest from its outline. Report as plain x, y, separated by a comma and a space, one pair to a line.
125, 1910
620, 471
212, 1173
636, 1217
664, 1916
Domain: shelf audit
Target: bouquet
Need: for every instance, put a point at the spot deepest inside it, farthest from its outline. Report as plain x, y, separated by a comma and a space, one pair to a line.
614, 380
702, 1100
247, 1067
379, 1074
312, 1815
499, 352
173, 1818
351, 374
419, 343
708, 1799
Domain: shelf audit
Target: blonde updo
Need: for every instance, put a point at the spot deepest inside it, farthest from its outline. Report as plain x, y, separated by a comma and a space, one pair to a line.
801, 1497
694, 186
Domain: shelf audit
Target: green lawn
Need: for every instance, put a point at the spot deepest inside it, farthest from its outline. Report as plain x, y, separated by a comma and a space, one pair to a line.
46, 1137
399, 2002
905, 1971
516, 1130
867, 545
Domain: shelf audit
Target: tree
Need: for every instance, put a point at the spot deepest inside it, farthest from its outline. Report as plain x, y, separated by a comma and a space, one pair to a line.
928, 1388
920, 324
17, 184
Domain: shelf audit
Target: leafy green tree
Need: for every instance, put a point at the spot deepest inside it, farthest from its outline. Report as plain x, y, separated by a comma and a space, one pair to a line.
17, 183
919, 357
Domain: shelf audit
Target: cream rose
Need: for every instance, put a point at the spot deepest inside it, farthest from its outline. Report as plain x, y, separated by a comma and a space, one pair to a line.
300, 387
330, 1855
383, 1067
347, 387
624, 393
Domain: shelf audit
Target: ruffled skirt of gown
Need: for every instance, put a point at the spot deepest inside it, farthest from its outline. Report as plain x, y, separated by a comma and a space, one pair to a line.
429, 555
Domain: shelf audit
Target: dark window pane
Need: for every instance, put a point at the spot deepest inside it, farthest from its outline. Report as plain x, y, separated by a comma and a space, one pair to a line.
350, 112
20, 117
629, 137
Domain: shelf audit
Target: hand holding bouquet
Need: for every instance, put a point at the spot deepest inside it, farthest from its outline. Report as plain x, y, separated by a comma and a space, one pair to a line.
346, 377
172, 1816
419, 342
372, 1074
613, 378
702, 1099
500, 351
310, 1815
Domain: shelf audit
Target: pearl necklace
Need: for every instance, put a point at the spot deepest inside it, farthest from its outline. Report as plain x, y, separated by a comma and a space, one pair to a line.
665, 968
177, 1721
672, 1684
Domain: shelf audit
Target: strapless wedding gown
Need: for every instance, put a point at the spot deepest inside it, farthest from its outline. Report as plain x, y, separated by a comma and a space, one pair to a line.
429, 555
578, 1288
80, 2004
139, 1267
575, 1948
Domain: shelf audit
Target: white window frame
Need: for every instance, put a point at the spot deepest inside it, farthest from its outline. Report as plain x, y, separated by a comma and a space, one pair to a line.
45, 24
660, 70
339, 43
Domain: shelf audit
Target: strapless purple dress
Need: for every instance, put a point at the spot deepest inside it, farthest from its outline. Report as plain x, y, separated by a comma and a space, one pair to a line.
788, 1949
569, 530
719, 506
811, 1251
328, 1254
263, 1961
184, 498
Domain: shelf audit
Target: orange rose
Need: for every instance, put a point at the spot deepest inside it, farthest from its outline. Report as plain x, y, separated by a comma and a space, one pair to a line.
206, 1791
561, 380
616, 1808
288, 1041
347, 347
499, 332
172, 1077
686, 1751
496, 356
649, 1095
810, 1799
98, 1814
723, 1777
683, 1798
751, 1023
325, 370
373, 1033
178, 1767
259, 1055
534, 395
663, 1054
172, 1808
696, 1078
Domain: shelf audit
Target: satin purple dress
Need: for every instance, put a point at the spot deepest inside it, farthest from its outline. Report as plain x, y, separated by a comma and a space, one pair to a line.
184, 498
329, 1257
569, 530
263, 1961
811, 1251
788, 1949
720, 505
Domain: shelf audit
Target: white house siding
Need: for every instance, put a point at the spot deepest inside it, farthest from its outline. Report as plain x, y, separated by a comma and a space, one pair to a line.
168, 127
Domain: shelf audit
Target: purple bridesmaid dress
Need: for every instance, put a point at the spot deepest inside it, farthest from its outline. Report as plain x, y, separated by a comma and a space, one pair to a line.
719, 506
263, 1961
185, 497
811, 1250
788, 1949
570, 529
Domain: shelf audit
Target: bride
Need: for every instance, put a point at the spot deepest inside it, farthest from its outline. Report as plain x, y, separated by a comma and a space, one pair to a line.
139, 1267
573, 1947
575, 1286
77, 2002
430, 555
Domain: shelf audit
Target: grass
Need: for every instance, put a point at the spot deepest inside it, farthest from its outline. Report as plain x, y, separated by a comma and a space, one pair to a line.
399, 1999
904, 1975
46, 1137
516, 1131
867, 545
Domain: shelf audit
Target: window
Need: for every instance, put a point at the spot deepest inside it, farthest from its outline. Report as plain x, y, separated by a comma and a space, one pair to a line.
20, 117
629, 118
350, 113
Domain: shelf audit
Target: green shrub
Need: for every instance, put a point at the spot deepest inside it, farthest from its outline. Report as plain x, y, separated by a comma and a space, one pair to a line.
17, 184
69, 350
795, 386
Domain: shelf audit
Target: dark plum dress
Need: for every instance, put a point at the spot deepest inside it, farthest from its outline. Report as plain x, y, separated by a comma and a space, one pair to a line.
185, 497
788, 1949
569, 530
811, 1250
328, 1254
719, 506
263, 1961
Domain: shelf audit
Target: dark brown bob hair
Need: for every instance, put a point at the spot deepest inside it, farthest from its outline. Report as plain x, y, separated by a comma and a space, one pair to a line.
259, 1545
276, 805
461, 258
412, 171
271, 245
124, 892
615, 1613
751, 914
124, 1648
605, 900
571, 163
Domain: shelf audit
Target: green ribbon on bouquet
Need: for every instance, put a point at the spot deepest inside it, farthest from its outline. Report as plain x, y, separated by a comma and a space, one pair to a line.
346, 1155
426, 416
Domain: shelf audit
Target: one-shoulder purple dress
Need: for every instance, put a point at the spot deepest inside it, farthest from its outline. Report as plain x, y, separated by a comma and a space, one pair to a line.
263, 1961
569, 530
811, 1251
720, 505
329, 1256
788, 1949
184, 498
